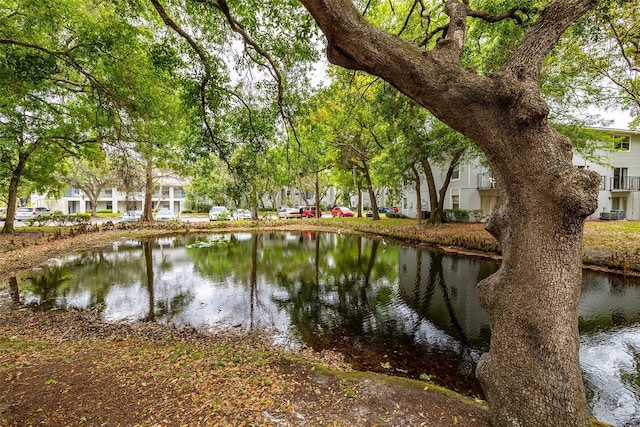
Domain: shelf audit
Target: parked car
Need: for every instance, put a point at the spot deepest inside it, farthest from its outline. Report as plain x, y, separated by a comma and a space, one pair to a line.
310, 212
166, 215
286, 212
385, 210
25, 214
218, 213
131, 216
341, 211
240, 214
3, 214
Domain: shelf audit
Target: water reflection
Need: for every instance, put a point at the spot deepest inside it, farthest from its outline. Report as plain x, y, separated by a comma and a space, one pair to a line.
400, 310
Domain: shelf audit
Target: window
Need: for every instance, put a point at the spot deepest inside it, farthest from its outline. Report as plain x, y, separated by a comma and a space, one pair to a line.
110, 206
455, 202
619, 204
620, 181
622, 143
456, 173
108, 192
178, 192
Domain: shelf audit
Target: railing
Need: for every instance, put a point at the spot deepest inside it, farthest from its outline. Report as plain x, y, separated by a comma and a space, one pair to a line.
486, 181
603, 183
72, 192
106, 194
628, 183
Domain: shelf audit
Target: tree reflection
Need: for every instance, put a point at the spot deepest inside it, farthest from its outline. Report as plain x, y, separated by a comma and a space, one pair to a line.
148, 265
51, 288
14, 292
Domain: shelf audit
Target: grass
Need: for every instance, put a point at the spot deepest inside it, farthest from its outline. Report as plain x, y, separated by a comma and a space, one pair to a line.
619, 236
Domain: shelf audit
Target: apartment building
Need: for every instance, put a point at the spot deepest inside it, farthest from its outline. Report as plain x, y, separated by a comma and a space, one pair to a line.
473, 188
169, 193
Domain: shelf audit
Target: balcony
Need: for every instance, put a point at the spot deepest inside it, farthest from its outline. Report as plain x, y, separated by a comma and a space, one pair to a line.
106, 194
627, 183
486, 181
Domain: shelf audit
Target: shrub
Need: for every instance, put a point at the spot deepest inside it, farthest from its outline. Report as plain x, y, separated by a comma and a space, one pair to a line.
200, 207
58, 218
396, 215
475, 215
456, 215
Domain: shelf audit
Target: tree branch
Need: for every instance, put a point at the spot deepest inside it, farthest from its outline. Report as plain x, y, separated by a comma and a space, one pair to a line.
527, 58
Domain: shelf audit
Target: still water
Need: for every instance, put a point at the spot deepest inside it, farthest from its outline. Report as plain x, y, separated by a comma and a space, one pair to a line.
387, 308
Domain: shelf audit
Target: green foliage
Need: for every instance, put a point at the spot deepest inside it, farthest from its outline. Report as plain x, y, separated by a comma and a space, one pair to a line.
476, 215
426, 377
58, 218
395, 215
456, 215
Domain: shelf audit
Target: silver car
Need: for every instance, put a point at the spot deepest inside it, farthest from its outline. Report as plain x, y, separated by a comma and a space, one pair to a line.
131, 216
25, 214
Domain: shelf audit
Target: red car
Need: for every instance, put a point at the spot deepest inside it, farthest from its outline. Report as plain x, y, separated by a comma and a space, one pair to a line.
310, 212
341, 211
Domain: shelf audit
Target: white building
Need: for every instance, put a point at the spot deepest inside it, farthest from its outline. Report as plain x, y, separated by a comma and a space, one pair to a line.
169, 194
473, 188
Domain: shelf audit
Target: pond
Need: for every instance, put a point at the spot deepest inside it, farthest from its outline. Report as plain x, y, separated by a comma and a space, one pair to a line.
388, 308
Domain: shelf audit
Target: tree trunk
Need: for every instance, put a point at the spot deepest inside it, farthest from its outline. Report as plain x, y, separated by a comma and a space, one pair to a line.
254, 204
372, 193
94, 206
9, 221
531, 375
435, 215
147, 211
12, 199
417, 180
317, 191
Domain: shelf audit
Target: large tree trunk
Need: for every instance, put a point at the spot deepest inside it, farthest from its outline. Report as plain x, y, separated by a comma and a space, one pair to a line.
531, 375
532, 368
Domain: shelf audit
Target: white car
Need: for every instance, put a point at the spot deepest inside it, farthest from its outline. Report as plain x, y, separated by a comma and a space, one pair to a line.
131, 216
218, 213
166, 215
286, 212
25, 214
239, 214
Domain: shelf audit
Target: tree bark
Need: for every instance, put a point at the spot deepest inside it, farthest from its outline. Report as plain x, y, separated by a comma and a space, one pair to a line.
435, 215
372, 193
147, 211
531, 375
417, 180
317, 191
12, 202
